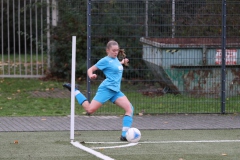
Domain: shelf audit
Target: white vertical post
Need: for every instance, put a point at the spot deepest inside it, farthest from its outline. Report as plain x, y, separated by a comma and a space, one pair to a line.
30, 13
36, 30
41, 36
73, 87
25, 38
14, 38
54, 13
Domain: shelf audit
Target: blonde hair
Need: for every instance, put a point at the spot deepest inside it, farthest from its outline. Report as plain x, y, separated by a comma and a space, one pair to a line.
111, 43
121, 52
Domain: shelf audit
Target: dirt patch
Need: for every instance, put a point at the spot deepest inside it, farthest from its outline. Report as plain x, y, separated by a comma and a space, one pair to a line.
152, 92
63, 93
52, 93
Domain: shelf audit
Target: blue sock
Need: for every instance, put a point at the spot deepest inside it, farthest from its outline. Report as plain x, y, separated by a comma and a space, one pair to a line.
80, 97
127, 123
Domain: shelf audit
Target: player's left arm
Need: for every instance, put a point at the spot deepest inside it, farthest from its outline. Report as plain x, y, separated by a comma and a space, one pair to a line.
125, 61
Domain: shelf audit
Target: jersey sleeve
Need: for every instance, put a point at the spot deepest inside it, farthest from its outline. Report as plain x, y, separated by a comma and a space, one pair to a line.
101, 64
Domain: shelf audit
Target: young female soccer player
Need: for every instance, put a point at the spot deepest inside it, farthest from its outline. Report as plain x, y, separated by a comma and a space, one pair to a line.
109, 89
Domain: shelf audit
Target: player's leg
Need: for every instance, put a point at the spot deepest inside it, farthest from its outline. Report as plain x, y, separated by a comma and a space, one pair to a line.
79, 96
123, 102
103, 95
82, 100
92, 107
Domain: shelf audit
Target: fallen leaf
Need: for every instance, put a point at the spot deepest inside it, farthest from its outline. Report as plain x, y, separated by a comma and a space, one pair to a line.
77, 133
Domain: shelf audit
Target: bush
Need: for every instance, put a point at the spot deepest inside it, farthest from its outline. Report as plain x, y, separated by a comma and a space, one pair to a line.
72, 23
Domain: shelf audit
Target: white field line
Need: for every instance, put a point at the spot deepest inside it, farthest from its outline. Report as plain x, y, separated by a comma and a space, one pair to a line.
126, 144
156, 142
91, 151
201, 141
119, 146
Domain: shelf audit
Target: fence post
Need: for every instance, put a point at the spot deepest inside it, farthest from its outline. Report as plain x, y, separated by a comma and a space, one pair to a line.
173, 18
146, 18
88, 48
48, 34
223, 68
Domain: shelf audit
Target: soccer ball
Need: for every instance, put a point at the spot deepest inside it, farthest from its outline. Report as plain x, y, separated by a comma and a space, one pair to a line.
133, 135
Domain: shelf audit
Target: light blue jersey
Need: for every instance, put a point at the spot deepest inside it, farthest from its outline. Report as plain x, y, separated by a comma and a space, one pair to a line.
113, 70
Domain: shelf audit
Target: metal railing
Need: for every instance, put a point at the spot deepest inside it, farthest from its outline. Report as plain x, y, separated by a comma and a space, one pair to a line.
25, 48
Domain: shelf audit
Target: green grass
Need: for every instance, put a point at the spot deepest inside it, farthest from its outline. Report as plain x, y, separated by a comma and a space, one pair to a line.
17, 99
56, 145
23, 57
23, 64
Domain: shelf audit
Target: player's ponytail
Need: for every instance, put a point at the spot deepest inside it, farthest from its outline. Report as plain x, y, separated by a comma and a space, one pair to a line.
122, 55
121, 52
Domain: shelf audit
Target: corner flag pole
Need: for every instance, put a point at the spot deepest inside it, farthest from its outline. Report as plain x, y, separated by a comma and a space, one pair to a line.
73, 87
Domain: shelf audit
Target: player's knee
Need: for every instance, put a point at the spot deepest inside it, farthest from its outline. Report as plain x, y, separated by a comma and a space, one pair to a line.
90, 111
130, 110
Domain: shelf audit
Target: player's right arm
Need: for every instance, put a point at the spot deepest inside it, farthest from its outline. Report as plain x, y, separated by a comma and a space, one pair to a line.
90, 71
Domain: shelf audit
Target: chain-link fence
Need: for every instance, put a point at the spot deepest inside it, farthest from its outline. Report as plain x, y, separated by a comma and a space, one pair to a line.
175, 52
184, 54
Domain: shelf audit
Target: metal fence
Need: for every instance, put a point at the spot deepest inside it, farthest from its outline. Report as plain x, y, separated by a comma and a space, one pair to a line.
184, 55
25, 37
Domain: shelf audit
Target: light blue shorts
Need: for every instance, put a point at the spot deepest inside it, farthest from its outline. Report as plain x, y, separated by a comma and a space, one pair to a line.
104, 94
